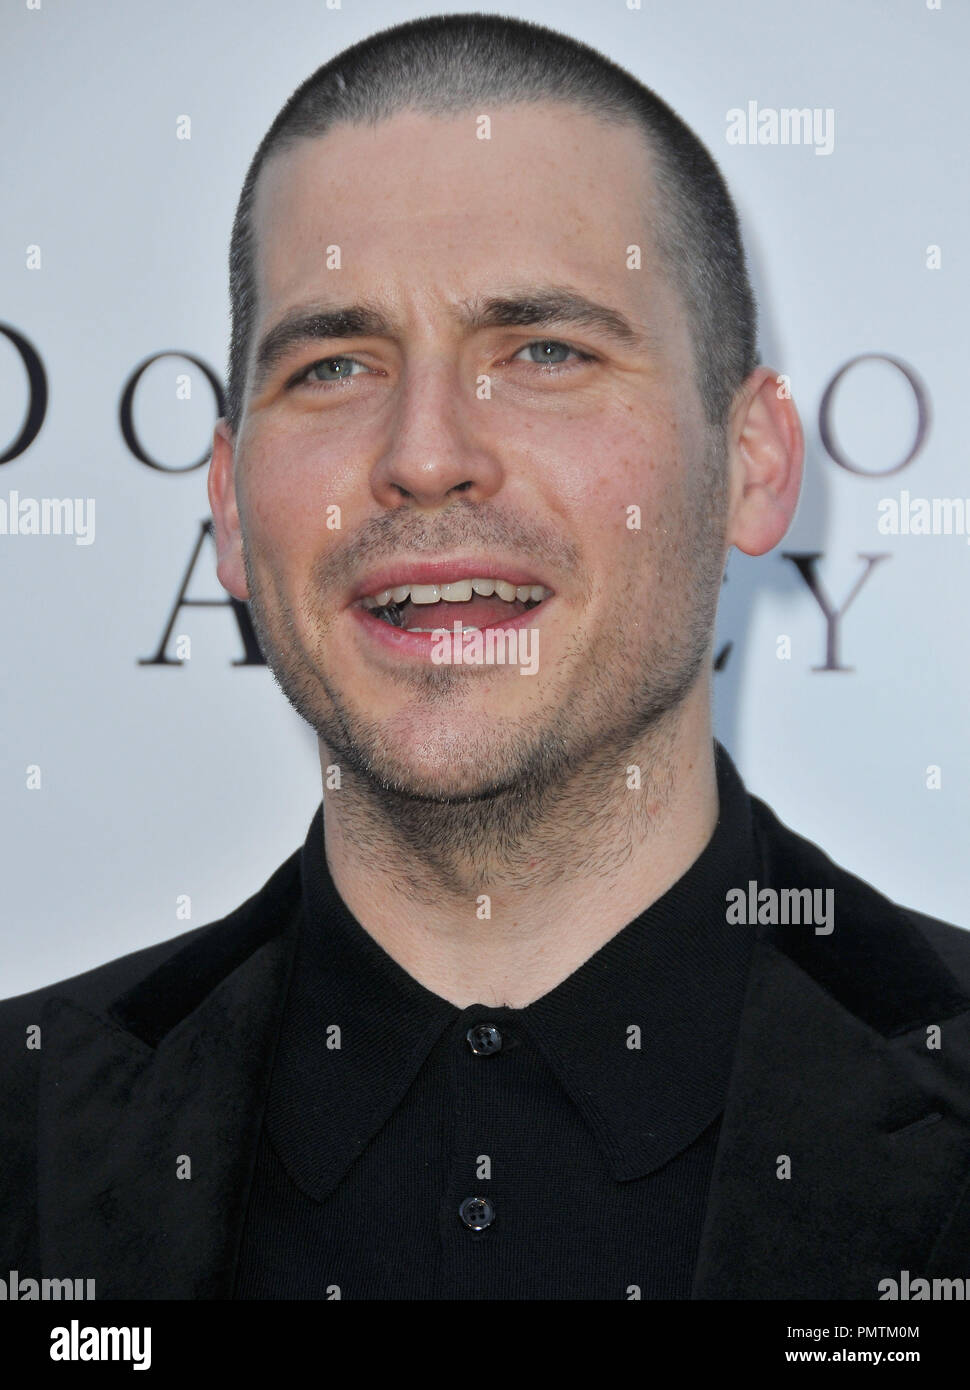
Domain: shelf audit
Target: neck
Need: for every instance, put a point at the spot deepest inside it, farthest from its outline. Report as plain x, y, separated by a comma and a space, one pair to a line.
496, 902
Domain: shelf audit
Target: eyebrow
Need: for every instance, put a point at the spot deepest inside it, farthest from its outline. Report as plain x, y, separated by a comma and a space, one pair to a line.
536, 306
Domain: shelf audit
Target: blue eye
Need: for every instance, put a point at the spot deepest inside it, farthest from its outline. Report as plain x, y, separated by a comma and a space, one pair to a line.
328, 363
543, 344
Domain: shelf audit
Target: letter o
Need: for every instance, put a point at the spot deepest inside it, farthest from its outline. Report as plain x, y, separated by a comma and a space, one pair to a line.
128, 399
922, 422
37, 398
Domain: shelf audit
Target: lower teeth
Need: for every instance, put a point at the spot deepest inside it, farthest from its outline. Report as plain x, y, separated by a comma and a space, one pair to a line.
438, 629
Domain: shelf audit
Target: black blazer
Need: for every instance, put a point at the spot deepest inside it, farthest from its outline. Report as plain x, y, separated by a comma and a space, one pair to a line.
167, 1052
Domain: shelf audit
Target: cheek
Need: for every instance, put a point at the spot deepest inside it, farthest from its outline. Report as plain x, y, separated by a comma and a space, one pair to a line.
605, 476
295, 497
616, 477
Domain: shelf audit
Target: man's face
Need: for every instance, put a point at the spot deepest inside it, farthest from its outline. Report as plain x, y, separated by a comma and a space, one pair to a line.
454, 454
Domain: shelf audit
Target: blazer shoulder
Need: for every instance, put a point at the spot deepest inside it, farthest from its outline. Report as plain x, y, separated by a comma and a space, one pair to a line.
205, 953
144, 993
951, 942
895, 967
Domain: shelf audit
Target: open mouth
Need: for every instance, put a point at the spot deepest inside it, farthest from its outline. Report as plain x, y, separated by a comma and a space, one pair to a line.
477, 603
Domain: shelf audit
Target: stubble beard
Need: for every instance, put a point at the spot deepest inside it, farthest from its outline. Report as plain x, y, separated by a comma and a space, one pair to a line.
541, 790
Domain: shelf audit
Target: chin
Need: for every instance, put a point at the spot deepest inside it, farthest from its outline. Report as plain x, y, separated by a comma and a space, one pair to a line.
443, 789
417, 756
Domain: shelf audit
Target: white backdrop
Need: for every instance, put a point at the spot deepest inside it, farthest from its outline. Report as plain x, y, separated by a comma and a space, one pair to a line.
199, 779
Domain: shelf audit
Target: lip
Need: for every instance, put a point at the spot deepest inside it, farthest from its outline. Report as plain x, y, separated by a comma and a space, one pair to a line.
399, 572
418, 644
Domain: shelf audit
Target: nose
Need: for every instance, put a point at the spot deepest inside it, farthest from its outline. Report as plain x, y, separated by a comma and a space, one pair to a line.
437, 450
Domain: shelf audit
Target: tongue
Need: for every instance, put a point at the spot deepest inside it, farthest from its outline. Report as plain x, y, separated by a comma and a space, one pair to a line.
476, 612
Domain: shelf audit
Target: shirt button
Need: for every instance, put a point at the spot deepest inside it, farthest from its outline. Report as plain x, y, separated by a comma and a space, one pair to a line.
477, 1213
484, 1038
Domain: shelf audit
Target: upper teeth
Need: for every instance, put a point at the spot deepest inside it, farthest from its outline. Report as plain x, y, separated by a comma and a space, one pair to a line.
460, 591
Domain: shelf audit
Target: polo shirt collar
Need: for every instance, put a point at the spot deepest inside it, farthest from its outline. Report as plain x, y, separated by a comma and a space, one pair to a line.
641, 1036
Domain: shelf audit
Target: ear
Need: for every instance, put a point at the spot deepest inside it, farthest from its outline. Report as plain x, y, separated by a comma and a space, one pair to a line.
767, 451
225, 513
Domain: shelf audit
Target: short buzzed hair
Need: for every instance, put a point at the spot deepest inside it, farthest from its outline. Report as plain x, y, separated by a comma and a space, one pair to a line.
453, 63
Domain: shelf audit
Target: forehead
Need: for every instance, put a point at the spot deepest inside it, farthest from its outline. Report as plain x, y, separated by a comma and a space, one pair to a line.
425, 210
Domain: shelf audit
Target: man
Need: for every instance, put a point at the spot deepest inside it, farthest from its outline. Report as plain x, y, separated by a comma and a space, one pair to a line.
546, 1006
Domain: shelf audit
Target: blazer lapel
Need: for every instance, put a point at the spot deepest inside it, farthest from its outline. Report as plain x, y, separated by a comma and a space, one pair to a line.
147, 1148
871, 1125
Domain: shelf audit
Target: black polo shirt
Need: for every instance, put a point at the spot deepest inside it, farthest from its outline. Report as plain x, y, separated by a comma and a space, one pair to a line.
415, 1150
